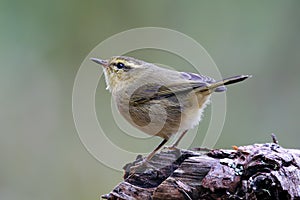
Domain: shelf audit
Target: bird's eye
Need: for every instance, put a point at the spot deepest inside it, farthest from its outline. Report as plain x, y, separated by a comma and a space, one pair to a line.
120, 65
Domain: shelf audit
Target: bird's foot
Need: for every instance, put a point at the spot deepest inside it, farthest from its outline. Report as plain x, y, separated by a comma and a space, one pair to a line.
173, 147
142, 166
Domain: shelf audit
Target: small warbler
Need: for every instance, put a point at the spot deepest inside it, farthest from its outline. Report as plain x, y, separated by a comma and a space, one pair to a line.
159, 101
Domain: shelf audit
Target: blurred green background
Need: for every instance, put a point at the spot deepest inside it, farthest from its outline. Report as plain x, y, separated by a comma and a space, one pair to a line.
42, 44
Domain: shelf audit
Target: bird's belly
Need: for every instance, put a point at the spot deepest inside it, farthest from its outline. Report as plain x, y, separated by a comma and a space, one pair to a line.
164, 119
191, 117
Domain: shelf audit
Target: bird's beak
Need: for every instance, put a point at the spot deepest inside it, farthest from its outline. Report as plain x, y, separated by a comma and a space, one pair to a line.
104, 63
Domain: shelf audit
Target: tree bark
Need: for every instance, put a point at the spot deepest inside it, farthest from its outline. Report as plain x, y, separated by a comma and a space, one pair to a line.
258, 171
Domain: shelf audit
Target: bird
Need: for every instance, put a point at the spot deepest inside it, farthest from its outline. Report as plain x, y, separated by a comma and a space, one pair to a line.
157, 100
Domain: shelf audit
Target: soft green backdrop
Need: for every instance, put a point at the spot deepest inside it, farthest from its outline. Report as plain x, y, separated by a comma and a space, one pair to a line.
42, 44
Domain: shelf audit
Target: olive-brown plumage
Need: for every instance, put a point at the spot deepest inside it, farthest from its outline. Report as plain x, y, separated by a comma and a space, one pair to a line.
159, 101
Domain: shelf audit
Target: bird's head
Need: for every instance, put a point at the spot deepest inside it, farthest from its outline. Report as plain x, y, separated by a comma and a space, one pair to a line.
120, 70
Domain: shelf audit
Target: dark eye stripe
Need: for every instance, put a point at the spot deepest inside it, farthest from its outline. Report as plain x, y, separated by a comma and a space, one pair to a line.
120, 65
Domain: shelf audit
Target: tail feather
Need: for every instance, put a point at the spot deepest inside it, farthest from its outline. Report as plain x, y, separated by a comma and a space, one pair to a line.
220, 85
235, 79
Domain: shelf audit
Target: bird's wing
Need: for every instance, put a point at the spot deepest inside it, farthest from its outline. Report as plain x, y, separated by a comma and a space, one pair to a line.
196, 77
185, 83
201, 78
153, 91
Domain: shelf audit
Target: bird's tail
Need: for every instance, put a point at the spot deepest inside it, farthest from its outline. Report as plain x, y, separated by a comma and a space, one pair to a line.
219, 86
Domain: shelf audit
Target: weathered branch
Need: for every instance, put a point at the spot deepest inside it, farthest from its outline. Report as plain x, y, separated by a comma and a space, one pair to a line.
259, 171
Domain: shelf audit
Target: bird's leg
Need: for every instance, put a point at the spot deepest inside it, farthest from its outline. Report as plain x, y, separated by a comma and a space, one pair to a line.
144, 162
174, 146
156, 149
